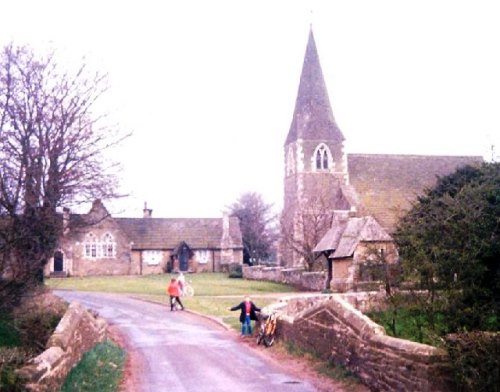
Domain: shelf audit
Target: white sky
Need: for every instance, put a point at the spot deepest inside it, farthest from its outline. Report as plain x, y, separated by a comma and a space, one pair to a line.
209, 87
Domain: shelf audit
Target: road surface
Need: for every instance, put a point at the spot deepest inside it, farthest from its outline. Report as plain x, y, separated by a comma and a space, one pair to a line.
179, 351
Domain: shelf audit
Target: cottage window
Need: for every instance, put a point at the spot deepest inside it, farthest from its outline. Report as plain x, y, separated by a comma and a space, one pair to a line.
202, 256
152, 257
108, 246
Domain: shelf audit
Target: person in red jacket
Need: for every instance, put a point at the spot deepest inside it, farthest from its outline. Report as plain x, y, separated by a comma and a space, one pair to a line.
174, 292
247, 314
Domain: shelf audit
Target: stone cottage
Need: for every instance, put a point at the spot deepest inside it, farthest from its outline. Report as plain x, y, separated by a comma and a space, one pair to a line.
371, 189
97, 243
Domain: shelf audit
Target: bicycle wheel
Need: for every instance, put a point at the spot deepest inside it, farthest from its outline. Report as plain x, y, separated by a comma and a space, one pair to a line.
188, 291
269, 340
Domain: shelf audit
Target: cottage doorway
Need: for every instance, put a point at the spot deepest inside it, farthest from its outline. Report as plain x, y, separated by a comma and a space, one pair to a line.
184, 257
58, 262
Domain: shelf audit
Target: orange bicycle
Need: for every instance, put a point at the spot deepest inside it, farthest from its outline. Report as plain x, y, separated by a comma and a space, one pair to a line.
267, 329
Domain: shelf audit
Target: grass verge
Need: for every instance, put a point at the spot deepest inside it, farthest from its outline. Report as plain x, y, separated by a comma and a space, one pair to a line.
100, 370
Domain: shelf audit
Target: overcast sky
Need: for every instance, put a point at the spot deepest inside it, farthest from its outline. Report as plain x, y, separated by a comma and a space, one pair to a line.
208, 87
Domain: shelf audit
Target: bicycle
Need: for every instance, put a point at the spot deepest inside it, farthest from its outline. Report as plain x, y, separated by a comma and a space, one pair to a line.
267, 329
187, 290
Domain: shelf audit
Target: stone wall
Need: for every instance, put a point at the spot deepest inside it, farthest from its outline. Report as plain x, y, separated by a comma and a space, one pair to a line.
335, 330
77, 332
296, 277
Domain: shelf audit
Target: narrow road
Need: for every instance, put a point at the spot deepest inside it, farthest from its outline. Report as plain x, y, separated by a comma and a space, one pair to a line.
179, 351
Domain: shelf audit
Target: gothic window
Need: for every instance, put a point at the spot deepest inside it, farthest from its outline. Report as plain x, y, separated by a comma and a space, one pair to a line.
90, 245
108, 246
322, 157
318, 160
94, 249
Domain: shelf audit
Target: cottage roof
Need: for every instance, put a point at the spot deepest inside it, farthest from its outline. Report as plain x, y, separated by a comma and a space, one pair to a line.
388, 184
331, 239
313, 118
167, 233
346, 234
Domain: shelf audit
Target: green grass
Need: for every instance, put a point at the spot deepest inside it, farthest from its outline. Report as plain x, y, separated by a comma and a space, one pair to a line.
205, 284
9, 337
99, 370
412, 326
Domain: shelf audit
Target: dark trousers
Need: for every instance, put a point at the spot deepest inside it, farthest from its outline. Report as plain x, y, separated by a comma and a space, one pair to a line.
173, 300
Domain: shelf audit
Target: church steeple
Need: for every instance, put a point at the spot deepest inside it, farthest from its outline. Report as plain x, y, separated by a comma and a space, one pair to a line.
313, 118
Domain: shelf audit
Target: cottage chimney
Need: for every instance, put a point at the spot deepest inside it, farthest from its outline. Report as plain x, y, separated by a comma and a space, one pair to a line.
226, 237
226, 243
147, 212
66, 212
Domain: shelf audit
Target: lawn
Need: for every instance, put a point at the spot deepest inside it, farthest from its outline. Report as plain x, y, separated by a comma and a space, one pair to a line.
214, 292
205, 284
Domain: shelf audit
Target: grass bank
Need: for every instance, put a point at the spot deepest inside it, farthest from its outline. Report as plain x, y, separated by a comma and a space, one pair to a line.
100, 370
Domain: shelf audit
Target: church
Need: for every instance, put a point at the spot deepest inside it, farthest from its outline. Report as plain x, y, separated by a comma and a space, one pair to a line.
335, 201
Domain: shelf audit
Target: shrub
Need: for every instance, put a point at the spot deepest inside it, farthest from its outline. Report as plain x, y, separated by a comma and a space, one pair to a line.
475, 358
36, 319
35, 328
236, 271
8, 334
11, 359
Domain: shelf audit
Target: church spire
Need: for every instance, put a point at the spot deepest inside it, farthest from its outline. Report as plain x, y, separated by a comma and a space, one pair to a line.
313, 118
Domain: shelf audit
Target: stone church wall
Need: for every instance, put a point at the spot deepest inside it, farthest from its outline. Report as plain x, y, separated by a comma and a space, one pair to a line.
296, 277
77, 332
336, 331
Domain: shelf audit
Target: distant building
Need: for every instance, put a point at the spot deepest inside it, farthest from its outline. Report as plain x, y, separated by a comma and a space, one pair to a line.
320, 175
97, 243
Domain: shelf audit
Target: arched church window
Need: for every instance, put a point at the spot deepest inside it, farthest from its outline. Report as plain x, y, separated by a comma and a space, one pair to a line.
318, 159
322, 157
108, 246
90, 245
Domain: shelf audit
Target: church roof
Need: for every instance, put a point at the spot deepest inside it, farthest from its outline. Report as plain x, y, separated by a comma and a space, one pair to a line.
388, 184
313, 118
167, 233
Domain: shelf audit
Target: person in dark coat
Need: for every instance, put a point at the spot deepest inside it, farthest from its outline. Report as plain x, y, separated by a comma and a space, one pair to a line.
247, 314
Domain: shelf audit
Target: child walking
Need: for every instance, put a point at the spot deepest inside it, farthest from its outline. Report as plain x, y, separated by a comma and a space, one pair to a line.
247, 314
174, 292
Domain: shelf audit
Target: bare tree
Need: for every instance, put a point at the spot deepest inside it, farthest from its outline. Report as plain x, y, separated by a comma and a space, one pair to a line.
257, 224
52, 144
302, 229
